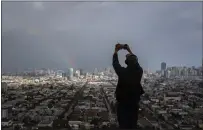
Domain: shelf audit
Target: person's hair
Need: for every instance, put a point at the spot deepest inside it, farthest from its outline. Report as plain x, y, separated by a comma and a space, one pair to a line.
131, 59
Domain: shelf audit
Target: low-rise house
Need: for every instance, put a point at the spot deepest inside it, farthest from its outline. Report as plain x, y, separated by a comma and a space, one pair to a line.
46, 123
6, 122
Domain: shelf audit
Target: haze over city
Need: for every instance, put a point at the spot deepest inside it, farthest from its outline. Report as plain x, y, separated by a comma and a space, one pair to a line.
83, 34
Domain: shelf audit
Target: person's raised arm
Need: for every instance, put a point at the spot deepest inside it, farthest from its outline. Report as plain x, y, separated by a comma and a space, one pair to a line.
116, 65
128, 49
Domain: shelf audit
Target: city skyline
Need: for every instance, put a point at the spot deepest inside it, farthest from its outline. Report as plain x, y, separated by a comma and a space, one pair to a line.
83, 34
58, 102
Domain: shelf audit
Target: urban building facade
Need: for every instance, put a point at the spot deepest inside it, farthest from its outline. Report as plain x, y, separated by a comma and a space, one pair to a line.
71, 73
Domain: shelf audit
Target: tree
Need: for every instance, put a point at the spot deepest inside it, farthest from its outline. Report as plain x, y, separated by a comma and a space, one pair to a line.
17, 127
95, 122
33, 122
194, 104
68, 118
50, 105
104, 126
26, 120
52, 111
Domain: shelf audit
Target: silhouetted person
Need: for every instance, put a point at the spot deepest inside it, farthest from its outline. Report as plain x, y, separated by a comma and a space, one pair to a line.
129, 89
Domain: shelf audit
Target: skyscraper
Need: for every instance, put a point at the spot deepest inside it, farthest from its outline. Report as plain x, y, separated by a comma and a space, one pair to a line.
81, 72
168, 73
163, 66
71, 73
163, 69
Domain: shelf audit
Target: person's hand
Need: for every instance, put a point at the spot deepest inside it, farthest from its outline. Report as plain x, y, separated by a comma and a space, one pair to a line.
117, 47
127, 47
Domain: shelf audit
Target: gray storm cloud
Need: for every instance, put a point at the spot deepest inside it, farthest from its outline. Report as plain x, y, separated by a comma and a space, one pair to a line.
83, 34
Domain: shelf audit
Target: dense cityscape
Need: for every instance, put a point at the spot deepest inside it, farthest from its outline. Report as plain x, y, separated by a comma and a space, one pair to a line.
61, 65
54, 99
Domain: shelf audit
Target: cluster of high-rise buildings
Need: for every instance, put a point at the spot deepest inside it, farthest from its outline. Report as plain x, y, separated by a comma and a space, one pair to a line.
79, 73
68, 74
181, 71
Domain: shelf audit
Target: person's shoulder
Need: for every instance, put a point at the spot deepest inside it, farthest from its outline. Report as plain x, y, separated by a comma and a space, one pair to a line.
140, 69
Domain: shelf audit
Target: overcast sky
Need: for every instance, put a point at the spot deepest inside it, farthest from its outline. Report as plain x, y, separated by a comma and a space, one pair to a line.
83, 34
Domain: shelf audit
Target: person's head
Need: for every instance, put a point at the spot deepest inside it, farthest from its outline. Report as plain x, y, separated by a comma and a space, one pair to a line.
131, 59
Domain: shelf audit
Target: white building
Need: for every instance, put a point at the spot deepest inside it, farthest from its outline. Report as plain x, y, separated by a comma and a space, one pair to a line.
171, 97
163, 73
71, 73
45, 123
6, 123
75, 124
4, 113
162, 112
168, 74
77, 73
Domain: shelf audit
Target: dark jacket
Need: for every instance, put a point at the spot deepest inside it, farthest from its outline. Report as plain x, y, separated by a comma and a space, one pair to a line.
129, 88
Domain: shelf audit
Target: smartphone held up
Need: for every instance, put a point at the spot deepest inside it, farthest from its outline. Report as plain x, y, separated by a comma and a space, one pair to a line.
122, 46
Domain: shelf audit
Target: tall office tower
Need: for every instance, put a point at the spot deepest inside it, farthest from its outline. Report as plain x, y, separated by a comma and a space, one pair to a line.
163, 69
168, 74
163, 66
173, 71
163, 73
71, 73
81, 72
